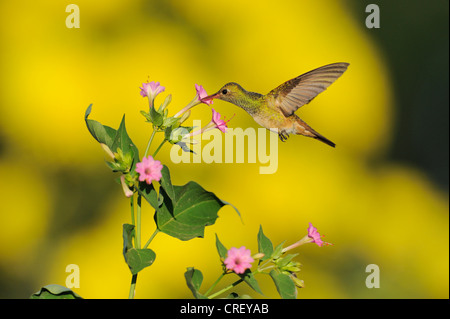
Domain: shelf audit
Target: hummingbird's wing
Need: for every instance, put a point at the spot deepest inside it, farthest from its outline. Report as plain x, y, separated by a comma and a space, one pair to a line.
299, 91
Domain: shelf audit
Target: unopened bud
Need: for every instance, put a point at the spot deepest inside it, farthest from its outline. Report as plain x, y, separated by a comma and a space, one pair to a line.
126, 190
185, 117
107, 150
258, 256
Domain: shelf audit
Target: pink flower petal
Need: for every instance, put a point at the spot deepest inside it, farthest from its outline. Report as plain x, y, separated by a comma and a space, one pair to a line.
220, 124
238, 260
151, 89
315, 236
149, 170
201, 93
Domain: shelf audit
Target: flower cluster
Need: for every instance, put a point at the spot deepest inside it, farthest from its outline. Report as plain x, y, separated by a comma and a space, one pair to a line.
149, 169
240, 259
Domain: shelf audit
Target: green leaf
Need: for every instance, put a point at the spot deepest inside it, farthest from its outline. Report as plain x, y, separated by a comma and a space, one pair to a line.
149, 193
157, 118
55, 292
221, 249
124, 142
285, 286
128, 235
192, 209
278, 251
112, 138
136, 259
284, 261
194, 279
102, 133
166, 182
249, 278
184, 211
264, 245
169, 121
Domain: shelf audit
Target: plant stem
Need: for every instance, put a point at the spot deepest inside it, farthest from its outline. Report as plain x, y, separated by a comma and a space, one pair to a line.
138, 223
226, 288
150, 142
132, 287
132, 209
214, 284
151, 238
159, 147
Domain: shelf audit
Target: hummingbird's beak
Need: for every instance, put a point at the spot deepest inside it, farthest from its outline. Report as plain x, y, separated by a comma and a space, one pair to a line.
210, 97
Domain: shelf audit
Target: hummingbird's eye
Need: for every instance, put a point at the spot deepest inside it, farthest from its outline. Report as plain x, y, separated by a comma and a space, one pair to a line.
225, 91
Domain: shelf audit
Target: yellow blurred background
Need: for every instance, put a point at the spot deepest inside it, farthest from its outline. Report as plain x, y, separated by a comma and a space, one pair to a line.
61, 205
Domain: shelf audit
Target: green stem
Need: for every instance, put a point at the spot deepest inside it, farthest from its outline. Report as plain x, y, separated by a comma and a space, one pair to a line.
138, 223
132, 287
226, 288
159, 147
151, 238
150, 142
214, 284
132, 209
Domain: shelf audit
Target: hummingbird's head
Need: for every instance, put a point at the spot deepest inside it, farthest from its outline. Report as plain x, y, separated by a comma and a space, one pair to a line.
230, 92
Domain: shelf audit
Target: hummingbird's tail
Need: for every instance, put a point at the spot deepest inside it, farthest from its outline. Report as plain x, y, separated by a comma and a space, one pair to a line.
301, 128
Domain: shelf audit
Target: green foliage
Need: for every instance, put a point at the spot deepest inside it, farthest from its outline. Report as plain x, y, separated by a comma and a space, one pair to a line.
116, 140
285, 286
221, 249
136, 259
194, 279
55, 292
186, 210
264, 245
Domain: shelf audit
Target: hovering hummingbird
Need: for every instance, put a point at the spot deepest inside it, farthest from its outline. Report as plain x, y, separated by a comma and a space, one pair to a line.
275, 110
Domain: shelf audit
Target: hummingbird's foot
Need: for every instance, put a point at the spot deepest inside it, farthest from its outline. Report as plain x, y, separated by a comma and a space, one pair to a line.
283, 136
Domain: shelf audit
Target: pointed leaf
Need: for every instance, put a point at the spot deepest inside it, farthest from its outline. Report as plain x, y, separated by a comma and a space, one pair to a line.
112, 138
221, 249
124, 142
278, 251
157, 118
264, 245
166, 182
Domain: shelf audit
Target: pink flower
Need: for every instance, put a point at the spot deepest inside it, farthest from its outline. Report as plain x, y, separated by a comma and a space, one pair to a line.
151, 89
216, 122
219, 123
149, 170
238, 260
201, 93
312, 237
315, 236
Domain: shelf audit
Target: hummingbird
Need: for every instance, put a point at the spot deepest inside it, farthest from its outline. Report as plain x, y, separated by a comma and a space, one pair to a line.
275, 110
